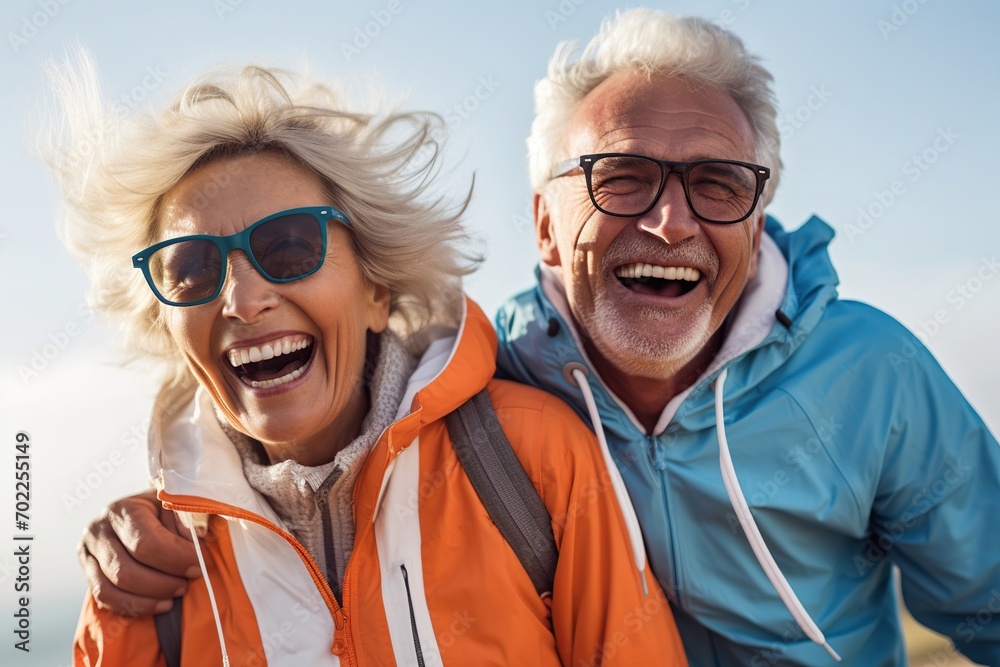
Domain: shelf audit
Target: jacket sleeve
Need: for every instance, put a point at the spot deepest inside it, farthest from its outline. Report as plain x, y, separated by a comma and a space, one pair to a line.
105, 639
600, 613
937, 497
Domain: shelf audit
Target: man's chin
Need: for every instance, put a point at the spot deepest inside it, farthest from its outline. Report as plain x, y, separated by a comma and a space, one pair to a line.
653, 350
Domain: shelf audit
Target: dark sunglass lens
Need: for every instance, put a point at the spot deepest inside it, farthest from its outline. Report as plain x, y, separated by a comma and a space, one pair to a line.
720, 191
288, 247
624, 185
187, 271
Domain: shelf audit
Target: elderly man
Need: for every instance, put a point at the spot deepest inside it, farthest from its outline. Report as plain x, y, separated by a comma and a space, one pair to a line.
782, 449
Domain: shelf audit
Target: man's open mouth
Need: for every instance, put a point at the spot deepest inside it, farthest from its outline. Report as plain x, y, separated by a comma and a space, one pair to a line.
665, 281
273, 363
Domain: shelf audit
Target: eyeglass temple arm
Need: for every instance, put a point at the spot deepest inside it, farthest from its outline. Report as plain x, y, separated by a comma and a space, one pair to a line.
566, 166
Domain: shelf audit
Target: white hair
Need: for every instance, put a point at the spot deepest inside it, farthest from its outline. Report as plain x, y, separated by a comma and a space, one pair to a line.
658, 44
114, 171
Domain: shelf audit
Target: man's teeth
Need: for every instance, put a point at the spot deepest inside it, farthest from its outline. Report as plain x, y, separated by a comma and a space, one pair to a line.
641, 270
284, 345
264, 384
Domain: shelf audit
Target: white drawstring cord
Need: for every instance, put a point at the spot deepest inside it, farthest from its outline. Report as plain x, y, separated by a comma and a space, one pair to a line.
750, 529
631, 521
211, 593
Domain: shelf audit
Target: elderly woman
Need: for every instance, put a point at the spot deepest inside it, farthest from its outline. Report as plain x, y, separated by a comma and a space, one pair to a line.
304, 291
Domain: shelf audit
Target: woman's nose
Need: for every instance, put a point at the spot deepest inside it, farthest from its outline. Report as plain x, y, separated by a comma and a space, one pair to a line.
246, 294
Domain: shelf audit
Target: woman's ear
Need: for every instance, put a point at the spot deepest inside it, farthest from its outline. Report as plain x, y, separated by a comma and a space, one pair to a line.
379, 299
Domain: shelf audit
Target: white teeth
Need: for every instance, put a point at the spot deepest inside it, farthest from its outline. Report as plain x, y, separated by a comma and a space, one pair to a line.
642, 270
264, 384
276, 348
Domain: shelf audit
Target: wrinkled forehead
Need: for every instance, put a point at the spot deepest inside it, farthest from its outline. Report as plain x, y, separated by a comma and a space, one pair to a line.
227, 195
671, 118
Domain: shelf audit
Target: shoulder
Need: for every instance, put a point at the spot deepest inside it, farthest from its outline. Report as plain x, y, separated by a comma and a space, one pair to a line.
862, 323
880, 345
557, 449
526, 409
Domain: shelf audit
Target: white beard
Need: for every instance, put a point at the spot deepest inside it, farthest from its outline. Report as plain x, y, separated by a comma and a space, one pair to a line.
636, 353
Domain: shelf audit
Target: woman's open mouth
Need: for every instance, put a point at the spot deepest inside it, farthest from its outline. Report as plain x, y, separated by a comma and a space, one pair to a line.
273, 363
664, 281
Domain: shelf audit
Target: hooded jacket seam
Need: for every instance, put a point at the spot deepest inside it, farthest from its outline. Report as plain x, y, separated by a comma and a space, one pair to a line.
833, 460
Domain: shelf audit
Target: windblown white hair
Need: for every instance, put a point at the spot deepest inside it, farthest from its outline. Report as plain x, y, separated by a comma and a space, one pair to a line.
657, 44
114, 171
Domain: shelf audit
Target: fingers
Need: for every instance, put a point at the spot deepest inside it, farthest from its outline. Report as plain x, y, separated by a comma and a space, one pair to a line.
108, 596
134, 560
149, 534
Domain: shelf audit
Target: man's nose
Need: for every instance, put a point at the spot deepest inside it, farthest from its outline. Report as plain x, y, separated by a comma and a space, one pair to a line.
670, 219
246, 294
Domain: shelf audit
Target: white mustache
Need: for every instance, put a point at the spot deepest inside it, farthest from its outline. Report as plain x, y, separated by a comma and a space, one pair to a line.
689, 252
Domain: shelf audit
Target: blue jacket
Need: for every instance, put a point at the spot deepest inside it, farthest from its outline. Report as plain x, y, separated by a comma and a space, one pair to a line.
854, 450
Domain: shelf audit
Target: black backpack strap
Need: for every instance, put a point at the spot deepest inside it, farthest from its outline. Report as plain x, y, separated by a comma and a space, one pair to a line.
504, 488
168, 631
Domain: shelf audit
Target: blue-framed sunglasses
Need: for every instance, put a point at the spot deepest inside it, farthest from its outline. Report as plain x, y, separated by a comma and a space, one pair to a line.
286, 246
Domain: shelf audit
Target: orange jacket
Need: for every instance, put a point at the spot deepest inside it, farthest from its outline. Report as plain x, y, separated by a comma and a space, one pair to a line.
428, 564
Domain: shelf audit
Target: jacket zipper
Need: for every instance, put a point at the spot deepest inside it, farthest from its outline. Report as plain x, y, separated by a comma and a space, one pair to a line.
413, 618
319, 579
668, 511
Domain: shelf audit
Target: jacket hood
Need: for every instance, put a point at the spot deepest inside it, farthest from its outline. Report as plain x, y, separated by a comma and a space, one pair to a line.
537, 336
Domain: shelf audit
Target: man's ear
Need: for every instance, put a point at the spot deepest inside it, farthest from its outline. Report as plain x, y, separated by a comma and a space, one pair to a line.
545, 235
755, 241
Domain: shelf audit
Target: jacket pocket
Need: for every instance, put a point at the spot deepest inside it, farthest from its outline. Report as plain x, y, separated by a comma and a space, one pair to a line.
413, 618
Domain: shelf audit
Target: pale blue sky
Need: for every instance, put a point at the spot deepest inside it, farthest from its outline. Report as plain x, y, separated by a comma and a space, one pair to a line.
921, 85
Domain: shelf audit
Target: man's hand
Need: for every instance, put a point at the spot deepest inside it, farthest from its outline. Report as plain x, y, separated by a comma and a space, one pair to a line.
137, 556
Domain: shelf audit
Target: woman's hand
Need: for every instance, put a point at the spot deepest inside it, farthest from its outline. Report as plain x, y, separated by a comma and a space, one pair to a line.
137, 557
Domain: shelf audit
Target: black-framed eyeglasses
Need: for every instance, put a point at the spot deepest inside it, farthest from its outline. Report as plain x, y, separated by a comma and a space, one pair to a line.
286, 246
628, 185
